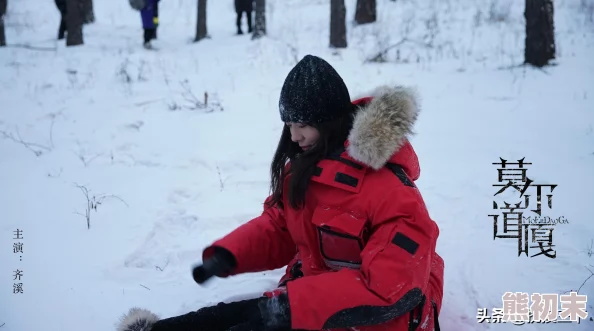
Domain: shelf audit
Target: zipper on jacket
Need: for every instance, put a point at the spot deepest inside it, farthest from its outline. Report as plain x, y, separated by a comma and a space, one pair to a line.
415, 321
436, 321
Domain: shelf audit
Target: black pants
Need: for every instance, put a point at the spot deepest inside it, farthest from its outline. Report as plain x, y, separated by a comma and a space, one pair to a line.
150, 34
249, 20
62, 29
61, 5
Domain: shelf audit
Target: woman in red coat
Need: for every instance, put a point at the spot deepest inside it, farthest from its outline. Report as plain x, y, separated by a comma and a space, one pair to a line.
344, 216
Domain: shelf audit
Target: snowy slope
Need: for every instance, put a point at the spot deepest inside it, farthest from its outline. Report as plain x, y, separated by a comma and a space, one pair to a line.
114, 118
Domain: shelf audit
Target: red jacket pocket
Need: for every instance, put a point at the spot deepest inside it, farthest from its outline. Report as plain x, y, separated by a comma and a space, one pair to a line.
341, 237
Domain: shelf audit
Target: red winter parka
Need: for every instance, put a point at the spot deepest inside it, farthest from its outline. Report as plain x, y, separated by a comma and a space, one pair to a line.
363, 247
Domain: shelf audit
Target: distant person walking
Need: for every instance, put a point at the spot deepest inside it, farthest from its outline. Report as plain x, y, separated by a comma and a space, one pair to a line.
150, 21
61, 4
244, 6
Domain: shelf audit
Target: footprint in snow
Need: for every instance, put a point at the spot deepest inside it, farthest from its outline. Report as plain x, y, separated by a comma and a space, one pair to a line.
135, 126
179, 196
157, 249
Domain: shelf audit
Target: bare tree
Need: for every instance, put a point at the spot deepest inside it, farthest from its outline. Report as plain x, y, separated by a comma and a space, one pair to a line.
201, 31
260, 24
540, 32
3, 6
365, 12
338, 24
74, 22
89, 13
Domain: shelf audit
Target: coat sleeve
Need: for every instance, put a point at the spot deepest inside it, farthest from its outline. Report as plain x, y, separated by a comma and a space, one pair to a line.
393, 277
263, 243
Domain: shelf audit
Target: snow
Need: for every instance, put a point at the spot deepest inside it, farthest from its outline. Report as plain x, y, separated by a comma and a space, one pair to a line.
114, 118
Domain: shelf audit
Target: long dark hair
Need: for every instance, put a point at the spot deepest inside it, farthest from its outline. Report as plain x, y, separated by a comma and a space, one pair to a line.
333, 134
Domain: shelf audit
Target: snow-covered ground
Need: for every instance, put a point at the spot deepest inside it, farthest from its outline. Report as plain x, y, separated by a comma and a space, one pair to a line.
115, 119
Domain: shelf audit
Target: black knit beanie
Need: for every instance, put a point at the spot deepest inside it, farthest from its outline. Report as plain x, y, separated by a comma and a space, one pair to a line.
313, 92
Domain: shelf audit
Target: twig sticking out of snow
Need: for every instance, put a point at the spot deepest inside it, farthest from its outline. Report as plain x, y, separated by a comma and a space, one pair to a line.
591, 274
85, 159
93, 202
194, 102
589, 250
220, 179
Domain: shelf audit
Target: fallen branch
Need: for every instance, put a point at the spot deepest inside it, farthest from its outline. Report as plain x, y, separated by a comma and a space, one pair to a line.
591, 274
34, 48
161, 269
55, 176
30, 146
380, 56
584, 283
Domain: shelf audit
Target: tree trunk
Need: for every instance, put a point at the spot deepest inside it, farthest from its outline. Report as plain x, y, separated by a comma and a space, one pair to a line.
89, 14
3, 7
201, 31
366, 12
74, 22
338, 24
260, 20
540, 32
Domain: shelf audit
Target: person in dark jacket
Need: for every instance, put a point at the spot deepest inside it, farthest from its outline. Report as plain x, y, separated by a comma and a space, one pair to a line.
244, 6
150, 21
61, 4
344, 216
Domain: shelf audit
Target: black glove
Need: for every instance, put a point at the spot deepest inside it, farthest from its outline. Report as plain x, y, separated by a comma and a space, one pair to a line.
214, 318
221, 262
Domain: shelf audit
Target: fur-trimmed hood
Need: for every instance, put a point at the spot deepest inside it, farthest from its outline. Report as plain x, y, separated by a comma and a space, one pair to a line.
382, 127
137, 319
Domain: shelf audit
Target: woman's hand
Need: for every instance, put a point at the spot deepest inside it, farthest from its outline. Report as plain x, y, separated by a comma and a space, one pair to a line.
221, 262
